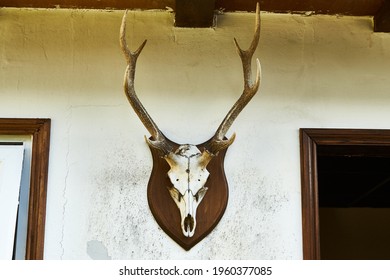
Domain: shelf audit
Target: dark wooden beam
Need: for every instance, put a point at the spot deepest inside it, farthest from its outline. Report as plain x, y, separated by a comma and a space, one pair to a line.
200, 13
90, 4
382, 18
331, 7
239, 5
342, 7
194, 13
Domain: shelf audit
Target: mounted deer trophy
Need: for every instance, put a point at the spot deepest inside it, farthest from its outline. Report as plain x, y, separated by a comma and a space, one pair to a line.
187, 187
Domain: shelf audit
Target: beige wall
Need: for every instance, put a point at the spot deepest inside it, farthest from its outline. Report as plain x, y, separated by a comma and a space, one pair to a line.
318, 71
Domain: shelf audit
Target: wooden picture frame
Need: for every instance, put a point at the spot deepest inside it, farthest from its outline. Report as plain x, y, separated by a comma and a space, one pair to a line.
39, 130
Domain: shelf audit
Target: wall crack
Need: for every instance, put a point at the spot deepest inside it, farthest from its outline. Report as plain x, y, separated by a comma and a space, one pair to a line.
64, 191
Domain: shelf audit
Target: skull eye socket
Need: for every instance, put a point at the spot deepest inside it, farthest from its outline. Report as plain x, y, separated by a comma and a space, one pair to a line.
200, 194
176, 195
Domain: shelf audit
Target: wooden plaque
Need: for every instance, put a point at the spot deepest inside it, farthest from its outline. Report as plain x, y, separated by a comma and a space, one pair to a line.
210, 210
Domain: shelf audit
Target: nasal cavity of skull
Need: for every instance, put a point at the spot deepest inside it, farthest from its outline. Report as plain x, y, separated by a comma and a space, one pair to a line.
189, 223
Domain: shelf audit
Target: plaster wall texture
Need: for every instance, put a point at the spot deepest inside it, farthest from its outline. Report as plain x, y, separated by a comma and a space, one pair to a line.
318, 71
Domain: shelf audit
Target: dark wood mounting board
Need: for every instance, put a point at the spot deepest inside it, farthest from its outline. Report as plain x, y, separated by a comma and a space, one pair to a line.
210, 210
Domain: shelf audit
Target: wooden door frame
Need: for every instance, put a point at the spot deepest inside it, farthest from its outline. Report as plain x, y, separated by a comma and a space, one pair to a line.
39, 130
310, 139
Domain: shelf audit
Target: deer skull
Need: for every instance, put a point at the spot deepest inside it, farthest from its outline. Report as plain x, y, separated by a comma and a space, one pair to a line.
188, 173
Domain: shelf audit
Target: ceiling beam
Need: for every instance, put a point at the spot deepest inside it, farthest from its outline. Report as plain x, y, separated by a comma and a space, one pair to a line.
330, 7
90, 4
382, 18
194, 13
200, 13
341, 7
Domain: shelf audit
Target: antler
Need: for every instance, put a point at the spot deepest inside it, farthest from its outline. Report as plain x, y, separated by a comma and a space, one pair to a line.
218, 142
159, 141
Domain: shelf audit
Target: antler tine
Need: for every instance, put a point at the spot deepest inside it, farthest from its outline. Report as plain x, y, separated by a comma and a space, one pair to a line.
159, 141
218, 143
246, 56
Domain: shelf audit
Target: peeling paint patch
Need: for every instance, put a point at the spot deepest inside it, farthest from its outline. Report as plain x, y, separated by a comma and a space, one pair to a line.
97, 251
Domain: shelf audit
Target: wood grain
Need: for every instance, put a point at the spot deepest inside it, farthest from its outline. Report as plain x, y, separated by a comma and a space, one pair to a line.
209, 211
39, 130
310, 141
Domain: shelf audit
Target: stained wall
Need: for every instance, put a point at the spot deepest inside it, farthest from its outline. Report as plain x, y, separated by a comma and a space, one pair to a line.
318, 71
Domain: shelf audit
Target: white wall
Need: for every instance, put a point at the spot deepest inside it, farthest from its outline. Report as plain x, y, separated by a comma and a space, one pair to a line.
318, 71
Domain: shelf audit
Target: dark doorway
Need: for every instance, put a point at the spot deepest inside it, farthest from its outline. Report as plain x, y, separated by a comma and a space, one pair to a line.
354, 202
345, 193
